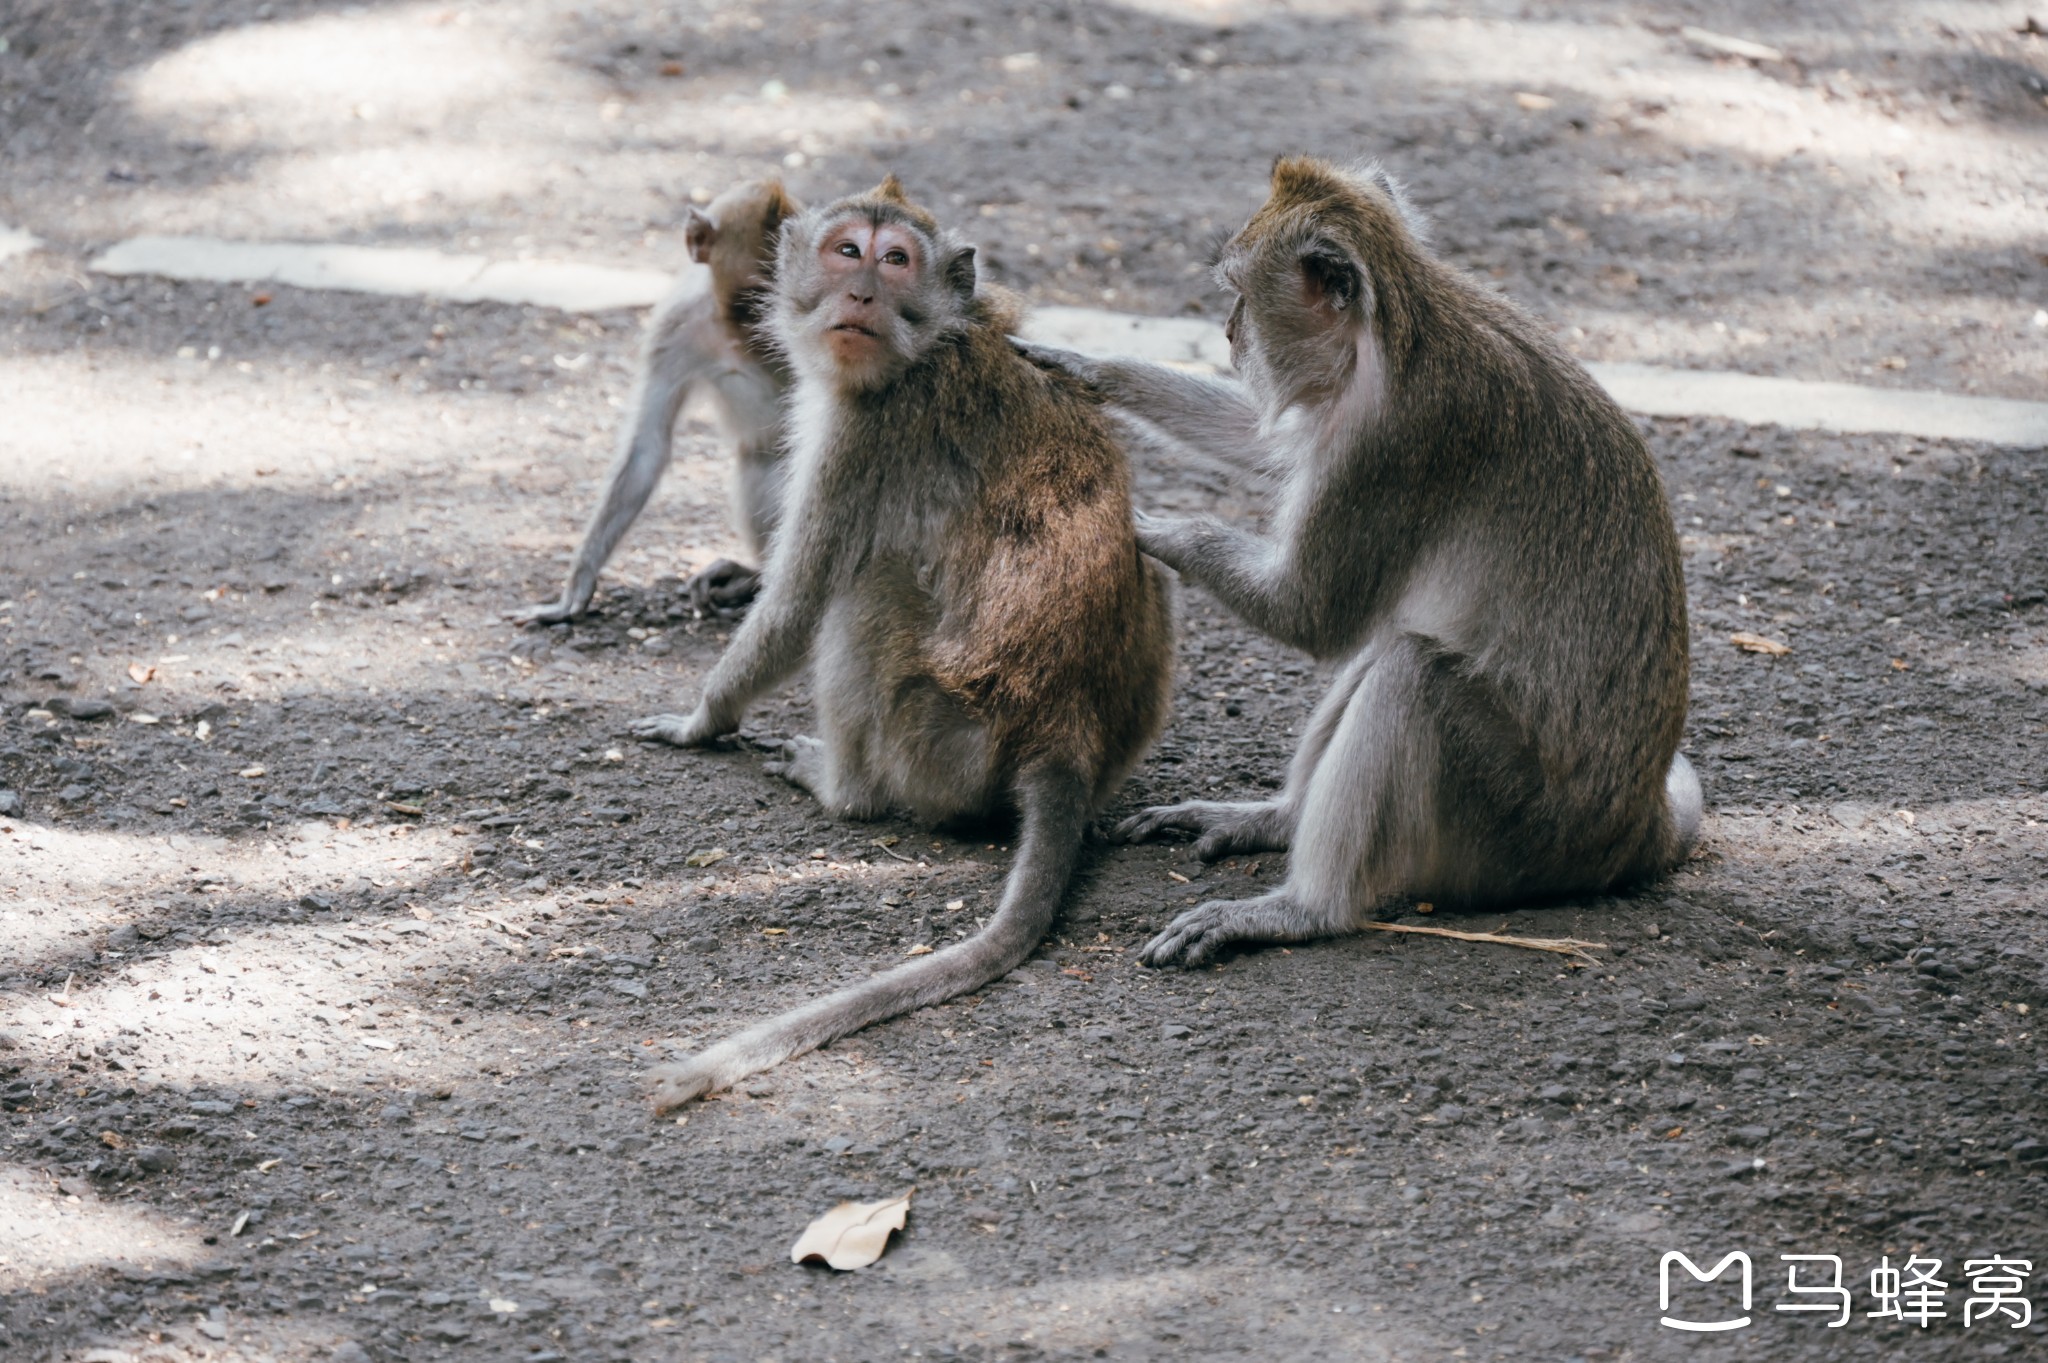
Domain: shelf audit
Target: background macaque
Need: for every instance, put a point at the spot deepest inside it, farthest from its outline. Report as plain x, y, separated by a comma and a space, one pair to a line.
703, 335
1474, 530
958, 563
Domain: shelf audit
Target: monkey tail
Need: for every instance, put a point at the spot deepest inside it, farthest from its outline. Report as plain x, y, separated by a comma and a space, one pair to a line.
1686, 803
1054, 803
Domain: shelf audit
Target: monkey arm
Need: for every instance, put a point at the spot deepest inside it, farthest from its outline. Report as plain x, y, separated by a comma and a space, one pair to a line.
686, 344
774, 639
1212, 414
1258, 579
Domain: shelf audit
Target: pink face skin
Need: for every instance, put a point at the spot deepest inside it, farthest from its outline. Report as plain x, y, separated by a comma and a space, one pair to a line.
865, 264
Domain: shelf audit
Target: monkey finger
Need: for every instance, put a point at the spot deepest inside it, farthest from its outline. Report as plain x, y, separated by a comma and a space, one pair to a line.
1149, 823
685, 731
724, 588
1058, 360
546, 613
1195, 937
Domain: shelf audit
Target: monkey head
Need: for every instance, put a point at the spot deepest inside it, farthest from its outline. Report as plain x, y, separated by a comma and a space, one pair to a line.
865, 286
1323, 274
736, 235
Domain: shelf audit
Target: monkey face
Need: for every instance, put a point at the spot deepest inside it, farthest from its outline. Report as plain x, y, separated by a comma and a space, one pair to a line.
865, 289
868, 270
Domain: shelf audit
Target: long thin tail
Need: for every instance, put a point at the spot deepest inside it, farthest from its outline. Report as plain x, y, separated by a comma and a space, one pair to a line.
1054, 806
1686, 802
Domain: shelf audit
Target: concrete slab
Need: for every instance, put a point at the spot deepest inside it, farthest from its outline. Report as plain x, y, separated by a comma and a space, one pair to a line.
1657, 391
390, 270
573, 287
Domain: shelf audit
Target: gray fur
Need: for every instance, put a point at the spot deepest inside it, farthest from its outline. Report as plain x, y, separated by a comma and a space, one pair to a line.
1477, 532
690, 349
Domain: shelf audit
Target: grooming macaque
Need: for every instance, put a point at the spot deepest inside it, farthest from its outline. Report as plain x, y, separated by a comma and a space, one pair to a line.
1474, 531
957, 562
702, 337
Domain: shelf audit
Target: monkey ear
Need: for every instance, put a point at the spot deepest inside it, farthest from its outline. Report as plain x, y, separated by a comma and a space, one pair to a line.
1329, 276
698, 234
777, 206
891, 188
958, 271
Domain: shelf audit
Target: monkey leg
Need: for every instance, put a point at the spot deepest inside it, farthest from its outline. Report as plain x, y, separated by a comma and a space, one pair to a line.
1365, 787
1228, 828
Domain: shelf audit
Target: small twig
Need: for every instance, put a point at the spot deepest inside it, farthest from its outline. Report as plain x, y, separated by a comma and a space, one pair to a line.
63, 1000
1563, 946
890, 851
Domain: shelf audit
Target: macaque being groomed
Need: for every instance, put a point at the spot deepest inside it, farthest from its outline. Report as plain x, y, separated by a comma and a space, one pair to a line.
703, 335
1474, 532
957, 562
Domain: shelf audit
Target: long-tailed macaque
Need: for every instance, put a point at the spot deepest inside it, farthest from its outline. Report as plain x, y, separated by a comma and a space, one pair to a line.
958, 563
1474, 532
704, 335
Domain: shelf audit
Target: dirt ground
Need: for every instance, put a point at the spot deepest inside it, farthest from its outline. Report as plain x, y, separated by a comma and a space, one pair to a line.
339, 920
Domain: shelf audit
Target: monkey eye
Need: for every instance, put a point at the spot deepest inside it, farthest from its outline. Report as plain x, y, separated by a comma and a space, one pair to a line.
896, 257
849, 250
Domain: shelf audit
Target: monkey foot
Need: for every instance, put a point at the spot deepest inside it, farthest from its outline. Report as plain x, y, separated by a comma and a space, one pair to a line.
674, 1085
1196, 936
725, 588
1221, 829
802, 764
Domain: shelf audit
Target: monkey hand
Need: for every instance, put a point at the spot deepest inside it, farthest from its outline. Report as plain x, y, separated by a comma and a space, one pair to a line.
1072, 363
693, 730
1160, 536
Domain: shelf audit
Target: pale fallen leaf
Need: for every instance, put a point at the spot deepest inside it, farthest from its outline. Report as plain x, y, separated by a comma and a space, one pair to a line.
921, 949
1756, 643
1534, 103
398, 807
423, 913
241, 1224
250, 773
853, 1234
141, 717
202, 731
377, 1043
775, 932
504, 1306
710, 858
955, 905
140, 673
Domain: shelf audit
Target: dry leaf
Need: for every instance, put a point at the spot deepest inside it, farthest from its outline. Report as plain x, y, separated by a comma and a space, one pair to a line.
140, 717
852, 1234
423, 913
775, 932
141, 672
113, 1140
396, 807
710, 858
955, 905
1756, 643
921, 949
250, 773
